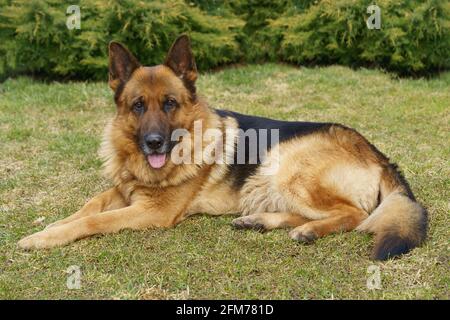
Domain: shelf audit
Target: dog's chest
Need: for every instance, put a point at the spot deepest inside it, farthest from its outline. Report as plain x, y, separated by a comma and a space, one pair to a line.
216, 199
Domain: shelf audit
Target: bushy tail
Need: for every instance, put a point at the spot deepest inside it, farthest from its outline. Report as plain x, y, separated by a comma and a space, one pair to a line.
399, 222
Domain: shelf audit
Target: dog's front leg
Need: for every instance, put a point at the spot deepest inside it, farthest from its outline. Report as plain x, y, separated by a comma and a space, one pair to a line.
136, 216
106, 201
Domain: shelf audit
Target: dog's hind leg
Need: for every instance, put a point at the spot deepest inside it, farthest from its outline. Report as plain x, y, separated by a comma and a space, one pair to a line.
344, 218
108, 200
269, 220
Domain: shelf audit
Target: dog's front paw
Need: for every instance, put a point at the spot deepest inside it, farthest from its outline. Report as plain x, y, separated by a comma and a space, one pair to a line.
303, 234
39, 240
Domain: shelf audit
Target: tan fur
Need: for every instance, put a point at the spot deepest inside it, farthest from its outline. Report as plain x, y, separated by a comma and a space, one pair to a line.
398, 219
337, 189
324, 182
270, 220
320, 178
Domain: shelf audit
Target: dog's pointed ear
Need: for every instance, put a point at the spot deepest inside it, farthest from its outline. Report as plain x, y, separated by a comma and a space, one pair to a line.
122, 63
181, 60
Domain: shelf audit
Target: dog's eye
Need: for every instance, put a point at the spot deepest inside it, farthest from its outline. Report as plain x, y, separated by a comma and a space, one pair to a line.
170, 104
138, 107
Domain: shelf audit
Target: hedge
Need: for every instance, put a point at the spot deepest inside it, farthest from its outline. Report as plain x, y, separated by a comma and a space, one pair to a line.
414, 38
35, 39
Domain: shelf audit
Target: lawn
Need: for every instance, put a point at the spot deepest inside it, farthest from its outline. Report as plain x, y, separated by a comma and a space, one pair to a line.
49, 136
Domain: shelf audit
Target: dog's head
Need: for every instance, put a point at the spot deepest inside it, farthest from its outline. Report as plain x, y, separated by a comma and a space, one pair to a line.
152, 102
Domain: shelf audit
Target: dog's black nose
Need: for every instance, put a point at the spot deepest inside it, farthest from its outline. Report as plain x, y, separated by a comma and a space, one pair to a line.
154, 140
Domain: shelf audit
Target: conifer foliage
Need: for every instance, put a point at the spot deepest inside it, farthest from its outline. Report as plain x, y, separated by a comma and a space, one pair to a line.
35, 38
414, 38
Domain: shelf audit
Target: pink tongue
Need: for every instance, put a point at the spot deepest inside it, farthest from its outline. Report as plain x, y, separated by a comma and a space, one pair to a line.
156, 160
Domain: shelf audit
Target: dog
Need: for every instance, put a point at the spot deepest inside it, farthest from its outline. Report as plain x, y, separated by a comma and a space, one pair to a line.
316, 179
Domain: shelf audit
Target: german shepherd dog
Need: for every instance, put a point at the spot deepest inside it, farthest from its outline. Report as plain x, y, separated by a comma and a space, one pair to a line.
328, 177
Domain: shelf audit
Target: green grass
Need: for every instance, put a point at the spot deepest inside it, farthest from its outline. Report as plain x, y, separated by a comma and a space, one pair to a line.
49, 135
